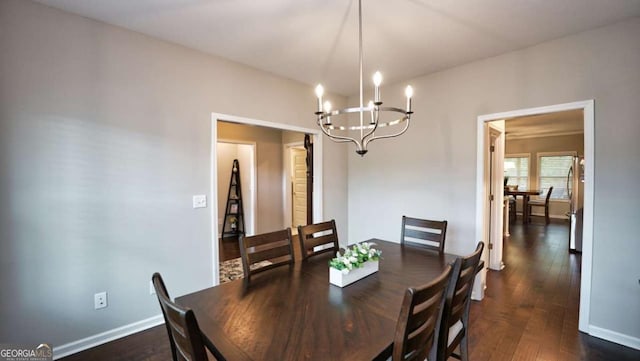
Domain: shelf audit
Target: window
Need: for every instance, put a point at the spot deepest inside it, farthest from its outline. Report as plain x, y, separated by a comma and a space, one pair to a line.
552, 172
516, 168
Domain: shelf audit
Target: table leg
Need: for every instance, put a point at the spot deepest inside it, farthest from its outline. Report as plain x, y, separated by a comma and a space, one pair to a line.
525, 210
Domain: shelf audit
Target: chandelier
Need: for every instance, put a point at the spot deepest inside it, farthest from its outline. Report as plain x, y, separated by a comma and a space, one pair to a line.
366, 128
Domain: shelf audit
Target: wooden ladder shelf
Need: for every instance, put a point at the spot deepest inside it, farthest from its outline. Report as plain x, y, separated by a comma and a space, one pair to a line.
233, 224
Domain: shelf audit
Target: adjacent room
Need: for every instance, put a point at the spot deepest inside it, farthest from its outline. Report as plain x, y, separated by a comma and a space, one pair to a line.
319, 180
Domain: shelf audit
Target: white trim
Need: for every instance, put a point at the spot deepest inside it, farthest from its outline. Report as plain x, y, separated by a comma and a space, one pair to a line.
587, 231
104, 337
619, 338
317, 175
589, 137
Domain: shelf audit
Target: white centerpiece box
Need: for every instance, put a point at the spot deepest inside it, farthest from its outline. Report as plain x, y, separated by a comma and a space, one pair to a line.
357, 262
341, 279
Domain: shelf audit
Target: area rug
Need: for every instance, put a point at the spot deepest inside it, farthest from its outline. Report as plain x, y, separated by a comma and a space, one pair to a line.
231, 270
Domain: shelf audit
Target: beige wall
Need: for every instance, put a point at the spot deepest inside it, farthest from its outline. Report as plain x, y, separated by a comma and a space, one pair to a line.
269, 170
533, 146
105, 135
430, 171
292, 137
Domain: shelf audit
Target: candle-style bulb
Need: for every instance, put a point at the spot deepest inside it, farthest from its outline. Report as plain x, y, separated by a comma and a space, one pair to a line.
327, 109
377, 79
319, 92
408, 91
370, 104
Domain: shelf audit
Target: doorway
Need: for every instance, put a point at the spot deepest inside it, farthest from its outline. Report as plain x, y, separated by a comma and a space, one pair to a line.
482, 195
269, 208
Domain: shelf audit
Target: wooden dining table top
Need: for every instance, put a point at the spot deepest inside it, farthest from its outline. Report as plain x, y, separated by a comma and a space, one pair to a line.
523, 192
294, 313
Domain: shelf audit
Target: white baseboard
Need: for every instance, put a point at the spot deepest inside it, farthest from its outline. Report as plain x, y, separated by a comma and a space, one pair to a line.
104, 337
616, 337
554, 216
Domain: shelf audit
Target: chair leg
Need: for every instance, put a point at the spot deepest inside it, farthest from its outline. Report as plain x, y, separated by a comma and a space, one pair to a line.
546, 215
464, 348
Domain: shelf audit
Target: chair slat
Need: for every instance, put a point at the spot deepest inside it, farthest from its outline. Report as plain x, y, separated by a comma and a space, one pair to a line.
419, 315
456, 307
308, 241
275, 247
415, 231
185, 337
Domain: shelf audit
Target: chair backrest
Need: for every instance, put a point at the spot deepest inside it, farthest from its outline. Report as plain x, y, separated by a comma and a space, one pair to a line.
319, 234
457, 302
184, 333
419, 316
265, 251
546, 201
423, 232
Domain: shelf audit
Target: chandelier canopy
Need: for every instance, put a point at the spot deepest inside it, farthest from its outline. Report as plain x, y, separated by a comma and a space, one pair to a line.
366, 129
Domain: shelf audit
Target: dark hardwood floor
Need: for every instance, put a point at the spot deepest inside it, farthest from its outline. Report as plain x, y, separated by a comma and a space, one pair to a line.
229, 248
530, 310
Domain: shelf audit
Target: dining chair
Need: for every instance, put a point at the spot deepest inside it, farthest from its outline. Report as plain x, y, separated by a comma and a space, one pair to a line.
265, 251
313, 236
418, 320
423, 232
453, 328
184, 333
542, 203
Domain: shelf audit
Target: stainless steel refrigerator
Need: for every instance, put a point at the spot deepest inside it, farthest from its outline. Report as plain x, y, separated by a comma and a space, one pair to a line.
575, 182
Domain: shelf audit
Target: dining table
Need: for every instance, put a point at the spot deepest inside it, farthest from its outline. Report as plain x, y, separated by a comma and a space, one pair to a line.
292, 312
526, 195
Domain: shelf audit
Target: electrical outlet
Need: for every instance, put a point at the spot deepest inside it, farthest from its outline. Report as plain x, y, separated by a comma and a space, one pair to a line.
100, 300
200, 201
152, 290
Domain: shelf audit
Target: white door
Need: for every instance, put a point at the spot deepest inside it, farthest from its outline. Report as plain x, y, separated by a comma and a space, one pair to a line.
496, 189
299, 187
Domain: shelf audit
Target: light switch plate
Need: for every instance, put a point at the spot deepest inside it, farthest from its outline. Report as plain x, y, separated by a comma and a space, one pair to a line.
200, 201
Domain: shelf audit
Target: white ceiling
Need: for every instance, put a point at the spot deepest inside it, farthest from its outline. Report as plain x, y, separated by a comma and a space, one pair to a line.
316, 40
545, 125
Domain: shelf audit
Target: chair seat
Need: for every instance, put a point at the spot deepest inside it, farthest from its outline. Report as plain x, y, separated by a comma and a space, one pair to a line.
536, 202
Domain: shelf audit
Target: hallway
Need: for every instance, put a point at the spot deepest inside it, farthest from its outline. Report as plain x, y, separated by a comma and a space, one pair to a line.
530, 310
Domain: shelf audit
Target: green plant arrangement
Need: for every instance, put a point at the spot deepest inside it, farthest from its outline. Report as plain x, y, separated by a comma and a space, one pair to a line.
355, 257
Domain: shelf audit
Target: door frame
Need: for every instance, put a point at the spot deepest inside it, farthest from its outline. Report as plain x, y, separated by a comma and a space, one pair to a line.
213, 192
587, 106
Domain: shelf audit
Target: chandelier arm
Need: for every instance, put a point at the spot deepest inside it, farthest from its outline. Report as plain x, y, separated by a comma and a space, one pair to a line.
375, 126
340, 139
367, 141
